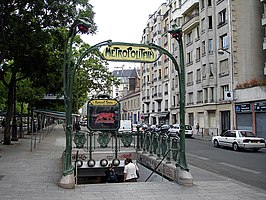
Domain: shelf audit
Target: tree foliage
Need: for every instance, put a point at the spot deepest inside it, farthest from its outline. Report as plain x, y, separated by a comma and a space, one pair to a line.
31, 43
92, 76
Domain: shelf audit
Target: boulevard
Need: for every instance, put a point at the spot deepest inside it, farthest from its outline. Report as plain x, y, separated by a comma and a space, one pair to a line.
244, 166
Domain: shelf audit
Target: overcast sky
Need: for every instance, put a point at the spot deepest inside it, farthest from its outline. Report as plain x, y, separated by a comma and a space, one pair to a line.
121, 21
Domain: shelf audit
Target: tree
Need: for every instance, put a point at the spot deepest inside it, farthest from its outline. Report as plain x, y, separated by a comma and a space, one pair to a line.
26, 30
92, 76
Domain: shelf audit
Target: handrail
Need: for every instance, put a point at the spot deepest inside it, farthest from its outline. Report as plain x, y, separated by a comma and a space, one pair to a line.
157, 165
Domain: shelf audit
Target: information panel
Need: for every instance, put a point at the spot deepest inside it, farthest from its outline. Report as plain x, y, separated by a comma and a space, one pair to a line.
103, 115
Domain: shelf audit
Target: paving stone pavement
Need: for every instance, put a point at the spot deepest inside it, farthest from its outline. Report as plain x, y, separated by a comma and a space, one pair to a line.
34, 175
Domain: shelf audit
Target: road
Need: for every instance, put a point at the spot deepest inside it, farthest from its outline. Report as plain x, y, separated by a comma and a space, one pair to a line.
245, 166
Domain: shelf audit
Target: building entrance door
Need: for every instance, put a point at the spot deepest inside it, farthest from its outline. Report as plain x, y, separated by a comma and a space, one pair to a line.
225, 121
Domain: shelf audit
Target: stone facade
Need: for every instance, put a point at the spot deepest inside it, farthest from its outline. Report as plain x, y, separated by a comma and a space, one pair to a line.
222, 47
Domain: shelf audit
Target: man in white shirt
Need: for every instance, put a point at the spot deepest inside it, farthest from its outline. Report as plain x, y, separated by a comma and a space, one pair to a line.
130, 171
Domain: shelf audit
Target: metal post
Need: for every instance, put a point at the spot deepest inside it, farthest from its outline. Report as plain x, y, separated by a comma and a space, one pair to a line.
67, 180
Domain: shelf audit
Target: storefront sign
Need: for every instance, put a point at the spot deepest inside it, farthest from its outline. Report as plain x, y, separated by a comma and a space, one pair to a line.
260, 106
243, 108
129, 52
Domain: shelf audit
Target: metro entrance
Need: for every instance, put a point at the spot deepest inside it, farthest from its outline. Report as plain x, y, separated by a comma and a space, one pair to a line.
123, 52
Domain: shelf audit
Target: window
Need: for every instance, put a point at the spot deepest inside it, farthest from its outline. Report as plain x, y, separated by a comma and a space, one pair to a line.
200, 96
224, 68
204, 71
166, 105
189, 58
224, 41
197, 33
205, 95
202, 25
160, 74
202, 4
210, 48
189, 38
198, 80
174, 101
159, 90
166, 89
222, 18
159, 106
210, 22
198, 54
190, 98
166, 72
209, 2
211, 69
203, 48
211, 94
190, 79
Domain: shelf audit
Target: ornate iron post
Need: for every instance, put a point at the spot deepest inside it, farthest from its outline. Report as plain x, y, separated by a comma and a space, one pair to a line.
83, 25
184, 177
177, 34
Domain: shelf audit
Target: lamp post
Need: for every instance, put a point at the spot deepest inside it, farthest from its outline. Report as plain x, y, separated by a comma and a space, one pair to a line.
83, 25
221, 52
176, 33
184, 177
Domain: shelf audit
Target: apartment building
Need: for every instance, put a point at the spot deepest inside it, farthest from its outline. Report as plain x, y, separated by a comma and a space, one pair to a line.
130, 100
222, 49
123, 75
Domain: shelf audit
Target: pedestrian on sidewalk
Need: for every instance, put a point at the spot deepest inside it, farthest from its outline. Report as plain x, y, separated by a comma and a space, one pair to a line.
130, 171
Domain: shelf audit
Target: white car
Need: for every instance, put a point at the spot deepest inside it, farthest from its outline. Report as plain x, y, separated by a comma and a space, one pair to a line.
175, 128
239, 139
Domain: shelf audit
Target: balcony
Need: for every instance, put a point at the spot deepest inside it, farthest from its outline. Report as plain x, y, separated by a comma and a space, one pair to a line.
191, 22
158, 97
146, 99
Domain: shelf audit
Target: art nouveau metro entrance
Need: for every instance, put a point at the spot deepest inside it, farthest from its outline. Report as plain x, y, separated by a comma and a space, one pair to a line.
127, 52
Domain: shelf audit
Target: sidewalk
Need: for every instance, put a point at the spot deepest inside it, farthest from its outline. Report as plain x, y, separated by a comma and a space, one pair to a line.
199, 136
26, 175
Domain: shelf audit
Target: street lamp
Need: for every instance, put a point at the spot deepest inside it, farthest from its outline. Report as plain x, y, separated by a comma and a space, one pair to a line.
184, 176
221, 52
83, 25
176, 33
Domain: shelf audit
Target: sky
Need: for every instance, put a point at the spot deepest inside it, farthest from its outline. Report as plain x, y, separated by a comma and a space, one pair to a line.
121, 21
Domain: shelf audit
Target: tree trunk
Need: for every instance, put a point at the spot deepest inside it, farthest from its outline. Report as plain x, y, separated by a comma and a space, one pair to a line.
7, 139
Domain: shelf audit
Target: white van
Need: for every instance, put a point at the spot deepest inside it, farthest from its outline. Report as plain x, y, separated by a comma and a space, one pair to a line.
125, 126
175, 128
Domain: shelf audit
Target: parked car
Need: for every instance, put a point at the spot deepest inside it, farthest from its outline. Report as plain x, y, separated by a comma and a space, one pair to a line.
164, 129
239, 139
175, 129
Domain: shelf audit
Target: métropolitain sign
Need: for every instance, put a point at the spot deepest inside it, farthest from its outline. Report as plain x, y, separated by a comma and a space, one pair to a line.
130, 52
